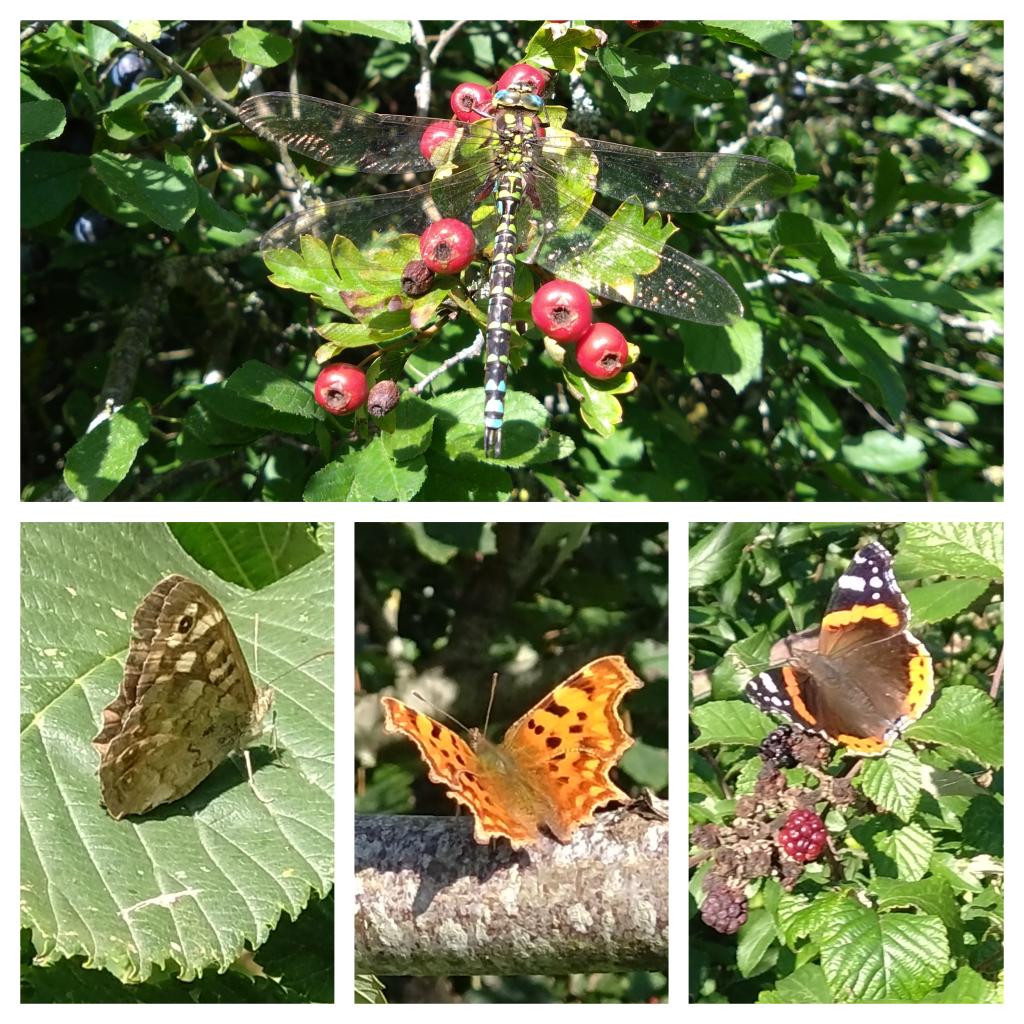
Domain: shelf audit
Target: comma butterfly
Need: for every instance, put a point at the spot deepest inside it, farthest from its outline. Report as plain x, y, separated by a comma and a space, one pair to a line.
552, 766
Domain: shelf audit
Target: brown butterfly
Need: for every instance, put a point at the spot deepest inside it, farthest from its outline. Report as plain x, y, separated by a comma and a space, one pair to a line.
186, 701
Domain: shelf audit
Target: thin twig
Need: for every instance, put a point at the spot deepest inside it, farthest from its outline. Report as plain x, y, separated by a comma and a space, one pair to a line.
470, 352
33, 29
988, 329
134, 341
422, 88
168, 65
444, 39
997, 677
428, 60
969, 380
900, 91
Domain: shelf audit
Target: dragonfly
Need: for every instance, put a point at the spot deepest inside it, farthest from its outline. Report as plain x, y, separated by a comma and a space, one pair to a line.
526, 186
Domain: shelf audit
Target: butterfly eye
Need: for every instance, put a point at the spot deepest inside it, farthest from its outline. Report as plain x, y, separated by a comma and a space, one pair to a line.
184, 624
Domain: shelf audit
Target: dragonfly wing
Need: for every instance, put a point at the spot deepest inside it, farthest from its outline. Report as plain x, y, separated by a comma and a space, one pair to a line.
335, 134
365, 218
624, 259
685, 182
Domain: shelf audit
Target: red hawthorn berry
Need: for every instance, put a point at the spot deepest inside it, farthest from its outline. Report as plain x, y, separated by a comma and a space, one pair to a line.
562, 310
436, 135
340, 388
469, 100
803, 836
603, 352
534, 77
447, 246
641, 26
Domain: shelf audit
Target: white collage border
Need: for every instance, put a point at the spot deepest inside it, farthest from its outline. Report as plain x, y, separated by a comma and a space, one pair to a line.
678, 515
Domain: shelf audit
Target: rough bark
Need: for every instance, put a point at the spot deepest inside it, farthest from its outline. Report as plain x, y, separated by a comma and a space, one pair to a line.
431, 901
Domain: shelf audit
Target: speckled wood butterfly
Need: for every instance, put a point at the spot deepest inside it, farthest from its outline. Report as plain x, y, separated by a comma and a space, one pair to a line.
186, 701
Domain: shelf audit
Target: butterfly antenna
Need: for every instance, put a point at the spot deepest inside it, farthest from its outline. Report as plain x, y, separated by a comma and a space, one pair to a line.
305, 661
437, 710
490, 703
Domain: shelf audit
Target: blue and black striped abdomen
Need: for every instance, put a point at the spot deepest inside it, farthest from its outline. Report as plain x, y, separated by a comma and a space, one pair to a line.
499, 310
517, 129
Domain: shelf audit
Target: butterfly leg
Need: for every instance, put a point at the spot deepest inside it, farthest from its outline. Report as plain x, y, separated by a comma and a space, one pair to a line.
252, 781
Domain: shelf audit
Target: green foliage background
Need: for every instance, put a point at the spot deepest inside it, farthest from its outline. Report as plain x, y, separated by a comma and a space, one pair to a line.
226, 891
441, 607
913, 904
869, 365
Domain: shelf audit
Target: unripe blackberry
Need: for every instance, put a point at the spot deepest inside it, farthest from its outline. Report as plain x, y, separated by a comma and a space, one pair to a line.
725, 910
803, 836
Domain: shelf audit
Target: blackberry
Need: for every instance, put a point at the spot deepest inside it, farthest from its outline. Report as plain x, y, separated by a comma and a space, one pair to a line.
776, 747
724, 910
803, 836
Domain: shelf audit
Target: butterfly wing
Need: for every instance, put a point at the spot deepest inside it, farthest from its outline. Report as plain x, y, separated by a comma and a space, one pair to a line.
866, 597
869, 677
568, 742
453, 763
186, 701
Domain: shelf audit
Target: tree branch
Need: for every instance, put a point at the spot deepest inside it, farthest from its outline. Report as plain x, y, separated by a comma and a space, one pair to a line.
432, 901
901, 92
134, 341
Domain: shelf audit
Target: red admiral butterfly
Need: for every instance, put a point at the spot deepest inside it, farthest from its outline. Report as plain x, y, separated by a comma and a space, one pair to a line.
863, 677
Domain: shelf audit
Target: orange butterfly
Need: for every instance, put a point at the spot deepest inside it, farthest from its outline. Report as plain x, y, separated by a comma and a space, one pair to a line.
552, 766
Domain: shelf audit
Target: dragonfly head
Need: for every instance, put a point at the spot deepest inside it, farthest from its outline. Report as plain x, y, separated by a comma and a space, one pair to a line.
518, 94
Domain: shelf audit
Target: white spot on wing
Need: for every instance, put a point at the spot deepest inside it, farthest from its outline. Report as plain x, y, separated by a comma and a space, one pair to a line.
851, 583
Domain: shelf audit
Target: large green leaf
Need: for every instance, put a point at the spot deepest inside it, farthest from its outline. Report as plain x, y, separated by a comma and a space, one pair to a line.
251, 554
190, 884
100, 460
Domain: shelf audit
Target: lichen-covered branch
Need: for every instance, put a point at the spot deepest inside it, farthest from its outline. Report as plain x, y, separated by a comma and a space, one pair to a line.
429, 900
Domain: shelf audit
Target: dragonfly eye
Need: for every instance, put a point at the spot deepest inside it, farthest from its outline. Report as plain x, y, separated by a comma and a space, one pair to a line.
518, 95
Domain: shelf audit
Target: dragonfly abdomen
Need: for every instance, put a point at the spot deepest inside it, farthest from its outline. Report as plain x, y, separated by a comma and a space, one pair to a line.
499, 309
517, 130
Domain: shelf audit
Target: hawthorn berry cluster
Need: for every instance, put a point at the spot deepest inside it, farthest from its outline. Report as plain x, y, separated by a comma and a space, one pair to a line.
560, 309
